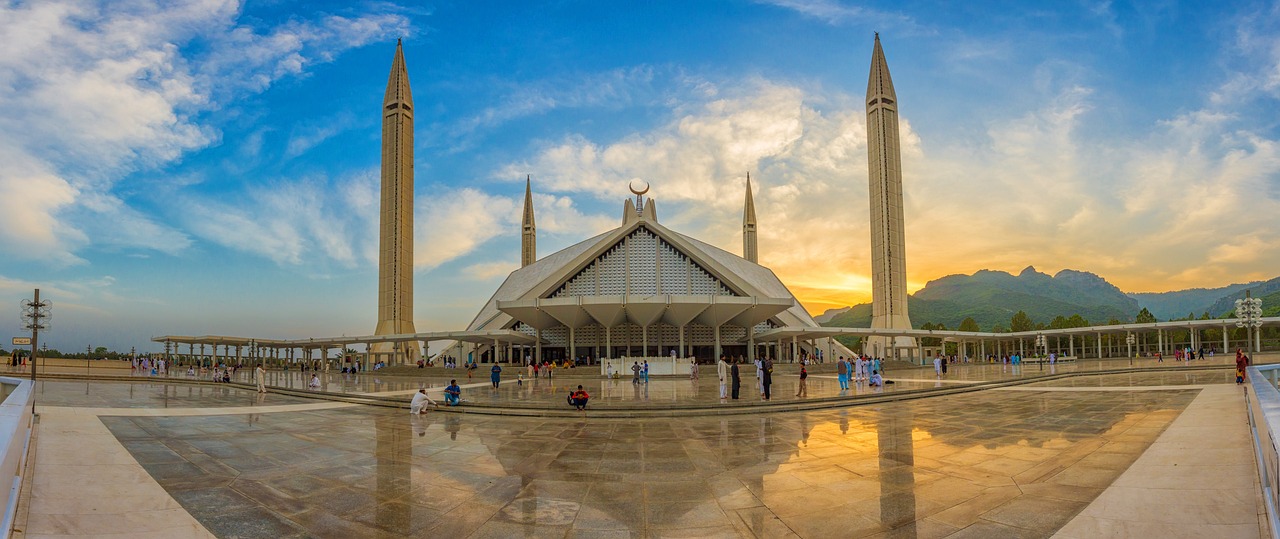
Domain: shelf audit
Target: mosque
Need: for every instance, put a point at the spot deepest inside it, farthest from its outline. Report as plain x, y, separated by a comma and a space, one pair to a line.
640, 290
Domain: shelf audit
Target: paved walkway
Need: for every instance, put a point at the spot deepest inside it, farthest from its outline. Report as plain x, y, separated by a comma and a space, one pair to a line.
1199, 479
1120, 455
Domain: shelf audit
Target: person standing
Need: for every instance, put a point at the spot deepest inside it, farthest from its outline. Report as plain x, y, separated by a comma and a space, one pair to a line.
722, 371
1242, 362
804, 386
693, 366
495, 375
260, 375
645, 371
842, 373
635, 372
766, 378
735, 379
760, 376
937, 366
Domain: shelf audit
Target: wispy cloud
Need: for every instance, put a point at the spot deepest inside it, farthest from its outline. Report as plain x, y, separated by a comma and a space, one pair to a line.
837, 13
116, 72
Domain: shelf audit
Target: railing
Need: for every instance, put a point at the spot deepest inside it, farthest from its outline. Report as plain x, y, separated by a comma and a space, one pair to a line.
1264, 421
15, 435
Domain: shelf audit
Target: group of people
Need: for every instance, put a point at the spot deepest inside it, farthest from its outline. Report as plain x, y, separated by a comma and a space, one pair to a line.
856, 370
452, 397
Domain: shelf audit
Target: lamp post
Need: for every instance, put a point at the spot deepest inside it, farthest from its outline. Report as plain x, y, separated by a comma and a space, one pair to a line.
1040, 342
1249, 315
1129, 340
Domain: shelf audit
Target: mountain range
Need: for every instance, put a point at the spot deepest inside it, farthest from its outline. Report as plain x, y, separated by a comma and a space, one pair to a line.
992, 297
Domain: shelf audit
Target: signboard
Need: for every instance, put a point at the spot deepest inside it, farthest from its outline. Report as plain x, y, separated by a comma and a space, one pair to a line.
22, 341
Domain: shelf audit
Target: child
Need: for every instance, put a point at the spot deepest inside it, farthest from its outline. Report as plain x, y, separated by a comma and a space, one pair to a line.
520, 379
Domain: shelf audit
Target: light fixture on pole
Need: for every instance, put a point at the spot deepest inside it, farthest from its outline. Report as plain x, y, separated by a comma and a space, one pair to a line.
1249, 315
1041, 343
1129, 341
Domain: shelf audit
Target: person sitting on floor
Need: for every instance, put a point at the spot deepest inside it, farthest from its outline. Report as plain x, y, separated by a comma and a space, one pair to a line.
315, 382
420, 402
578, 399
452, 393
877, 380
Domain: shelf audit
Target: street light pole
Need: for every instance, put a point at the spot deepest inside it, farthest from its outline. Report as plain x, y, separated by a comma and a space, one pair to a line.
1249, 315
1129, 341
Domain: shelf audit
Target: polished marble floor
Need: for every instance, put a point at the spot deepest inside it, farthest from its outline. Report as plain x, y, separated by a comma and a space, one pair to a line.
979, 465
193, 461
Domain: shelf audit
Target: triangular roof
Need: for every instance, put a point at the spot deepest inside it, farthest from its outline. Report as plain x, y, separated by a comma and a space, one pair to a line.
544, 277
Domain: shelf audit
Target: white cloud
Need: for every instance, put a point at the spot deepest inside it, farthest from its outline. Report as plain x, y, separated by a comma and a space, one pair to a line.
91, 91
836, 13
1034, 191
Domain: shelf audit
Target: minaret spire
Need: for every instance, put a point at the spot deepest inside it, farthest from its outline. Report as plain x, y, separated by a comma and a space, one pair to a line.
528, 230
395, 230
750, 249
888, 245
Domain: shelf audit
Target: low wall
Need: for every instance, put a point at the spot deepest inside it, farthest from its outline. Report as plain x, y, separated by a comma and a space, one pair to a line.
15, 433
658, 366
1264, 421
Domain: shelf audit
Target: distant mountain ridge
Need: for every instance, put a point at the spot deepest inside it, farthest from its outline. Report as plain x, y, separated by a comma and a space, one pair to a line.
1166, 305
992, 297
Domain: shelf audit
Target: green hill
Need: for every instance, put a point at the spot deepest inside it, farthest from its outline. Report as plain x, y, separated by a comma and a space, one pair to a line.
1269, 291
992, 297
1169, 305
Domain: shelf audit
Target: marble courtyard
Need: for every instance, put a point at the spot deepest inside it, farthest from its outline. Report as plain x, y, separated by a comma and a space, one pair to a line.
1073, 450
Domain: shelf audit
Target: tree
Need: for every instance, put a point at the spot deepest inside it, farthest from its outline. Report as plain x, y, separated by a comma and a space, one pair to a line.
1020, 322
100, 351
969, 324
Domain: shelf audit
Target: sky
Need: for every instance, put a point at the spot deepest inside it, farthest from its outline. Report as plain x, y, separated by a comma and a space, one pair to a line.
210, 167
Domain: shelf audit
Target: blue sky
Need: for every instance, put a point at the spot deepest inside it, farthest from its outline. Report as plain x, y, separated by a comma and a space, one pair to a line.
210, 167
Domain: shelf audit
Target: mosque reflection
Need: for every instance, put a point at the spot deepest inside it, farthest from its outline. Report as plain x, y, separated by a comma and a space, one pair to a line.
861, 463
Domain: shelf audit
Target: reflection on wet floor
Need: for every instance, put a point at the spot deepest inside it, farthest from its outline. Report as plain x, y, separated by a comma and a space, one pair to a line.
153, 394
987, 464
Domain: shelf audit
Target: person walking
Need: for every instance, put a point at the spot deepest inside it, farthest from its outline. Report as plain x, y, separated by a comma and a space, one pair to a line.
260, 375
804, 386
735, 379
722, 372
495, 375
767, 377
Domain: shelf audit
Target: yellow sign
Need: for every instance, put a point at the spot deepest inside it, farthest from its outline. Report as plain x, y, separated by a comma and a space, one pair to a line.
22, 341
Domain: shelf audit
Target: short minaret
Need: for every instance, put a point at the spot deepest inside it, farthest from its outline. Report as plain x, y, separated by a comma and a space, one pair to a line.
888, 244
395, 245
528, 230
749, 248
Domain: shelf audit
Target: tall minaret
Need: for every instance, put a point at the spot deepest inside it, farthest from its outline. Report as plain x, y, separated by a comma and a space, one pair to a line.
749, 248
888, 250
528, 230
395, 232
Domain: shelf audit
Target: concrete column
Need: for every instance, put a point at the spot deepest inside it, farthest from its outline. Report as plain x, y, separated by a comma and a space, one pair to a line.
716, 353
751, 345
1099, 345
1225, 347
608, 342
644, 341
537, 352
795, 349
683, 352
